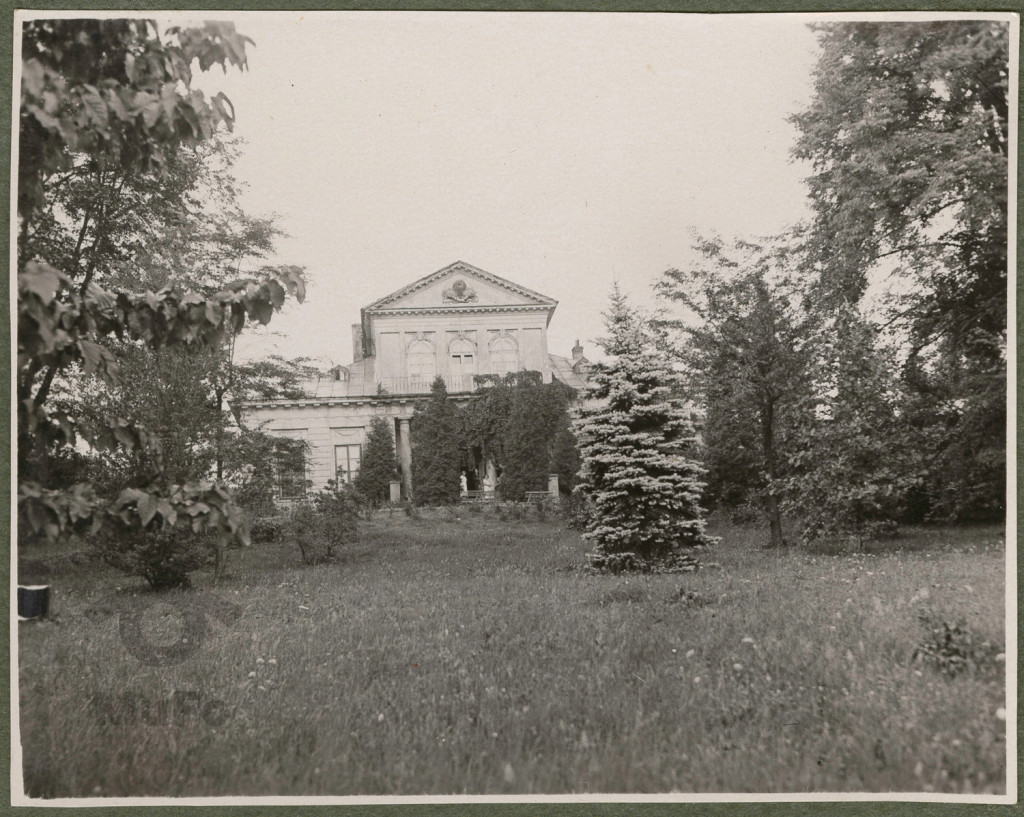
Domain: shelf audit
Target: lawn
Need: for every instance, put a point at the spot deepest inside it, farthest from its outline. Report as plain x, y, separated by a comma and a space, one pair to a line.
471, 655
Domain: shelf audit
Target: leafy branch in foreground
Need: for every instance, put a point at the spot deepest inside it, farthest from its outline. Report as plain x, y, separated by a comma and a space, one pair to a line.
58, 328
109, 102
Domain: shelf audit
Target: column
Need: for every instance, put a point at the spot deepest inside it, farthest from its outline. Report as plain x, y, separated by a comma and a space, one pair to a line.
405, 456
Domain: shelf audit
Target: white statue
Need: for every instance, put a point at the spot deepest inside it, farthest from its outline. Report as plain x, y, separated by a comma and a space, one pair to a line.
463, 485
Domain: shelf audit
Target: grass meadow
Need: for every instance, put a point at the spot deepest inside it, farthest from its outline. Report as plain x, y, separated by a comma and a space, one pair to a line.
464, 654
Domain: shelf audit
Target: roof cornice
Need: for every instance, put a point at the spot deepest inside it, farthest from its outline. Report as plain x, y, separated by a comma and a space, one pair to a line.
448, 310
467, 269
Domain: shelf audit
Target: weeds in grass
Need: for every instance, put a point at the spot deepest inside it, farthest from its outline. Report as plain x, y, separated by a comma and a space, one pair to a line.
952, 648
689, 598
677, 562
630, 594
448, 659
410, 510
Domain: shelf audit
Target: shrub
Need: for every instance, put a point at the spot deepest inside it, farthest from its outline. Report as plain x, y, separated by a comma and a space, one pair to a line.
164, 557
540, 505
953, 648
266, 529
577, 509
325, 522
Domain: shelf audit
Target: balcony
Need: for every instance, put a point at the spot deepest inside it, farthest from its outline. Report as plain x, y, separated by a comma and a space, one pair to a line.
417, 385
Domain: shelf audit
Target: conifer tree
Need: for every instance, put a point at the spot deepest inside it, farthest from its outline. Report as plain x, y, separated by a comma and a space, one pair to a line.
377, 469
565, 455
636, 442
436, 454
537, 411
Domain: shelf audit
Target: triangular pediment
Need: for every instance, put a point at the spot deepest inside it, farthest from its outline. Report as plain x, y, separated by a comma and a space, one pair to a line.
459, 286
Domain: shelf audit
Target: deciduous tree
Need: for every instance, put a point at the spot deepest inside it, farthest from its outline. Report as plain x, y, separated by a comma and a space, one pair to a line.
742, 344
907, 135
850, 464
114, 96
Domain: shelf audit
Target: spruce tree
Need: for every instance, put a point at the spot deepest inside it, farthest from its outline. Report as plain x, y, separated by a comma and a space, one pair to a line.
436, 454
636, 442
377, 469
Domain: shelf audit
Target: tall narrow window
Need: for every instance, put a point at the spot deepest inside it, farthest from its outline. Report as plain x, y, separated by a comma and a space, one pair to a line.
422, 370
504, 357
290, 453
462, 366
346, 462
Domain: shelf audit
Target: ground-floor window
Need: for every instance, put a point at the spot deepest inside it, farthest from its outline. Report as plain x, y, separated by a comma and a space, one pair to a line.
291, 471
346, 462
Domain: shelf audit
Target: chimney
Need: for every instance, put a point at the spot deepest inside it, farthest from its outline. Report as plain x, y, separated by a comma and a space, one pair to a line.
357, 342
577, 352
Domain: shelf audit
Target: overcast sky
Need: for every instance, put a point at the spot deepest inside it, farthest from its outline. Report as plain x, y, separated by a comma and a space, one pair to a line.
562, 151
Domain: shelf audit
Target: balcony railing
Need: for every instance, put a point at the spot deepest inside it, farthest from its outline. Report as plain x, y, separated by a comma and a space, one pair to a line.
418, 385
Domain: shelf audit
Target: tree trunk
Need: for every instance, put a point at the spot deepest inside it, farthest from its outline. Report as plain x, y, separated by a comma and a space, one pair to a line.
220, 556
768, 445
219, 442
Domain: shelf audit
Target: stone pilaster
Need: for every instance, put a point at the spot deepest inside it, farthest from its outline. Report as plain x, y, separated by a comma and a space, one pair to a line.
405, 456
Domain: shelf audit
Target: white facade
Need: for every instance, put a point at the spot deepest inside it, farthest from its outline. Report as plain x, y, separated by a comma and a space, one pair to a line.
459, 322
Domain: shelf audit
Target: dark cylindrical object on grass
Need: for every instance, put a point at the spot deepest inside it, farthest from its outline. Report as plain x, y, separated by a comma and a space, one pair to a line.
33, 601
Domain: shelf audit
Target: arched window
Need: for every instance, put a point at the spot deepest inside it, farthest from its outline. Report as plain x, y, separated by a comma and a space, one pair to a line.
422, 369
504, 357
462, 364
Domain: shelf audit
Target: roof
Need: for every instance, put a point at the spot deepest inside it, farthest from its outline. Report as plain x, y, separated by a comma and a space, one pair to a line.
561, 367
470, 271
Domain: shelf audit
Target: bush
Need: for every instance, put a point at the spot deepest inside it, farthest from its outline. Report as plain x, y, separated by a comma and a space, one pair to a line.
164, 557
540, 505
953, 648
577, 510
410, 510
513, 510
266, 529
326, 522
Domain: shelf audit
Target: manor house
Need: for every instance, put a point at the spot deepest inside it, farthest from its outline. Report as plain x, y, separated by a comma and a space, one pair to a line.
458, 322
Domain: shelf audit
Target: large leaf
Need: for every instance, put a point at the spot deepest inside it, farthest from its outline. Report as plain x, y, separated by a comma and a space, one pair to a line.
95, 357
96, 109
41, 279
